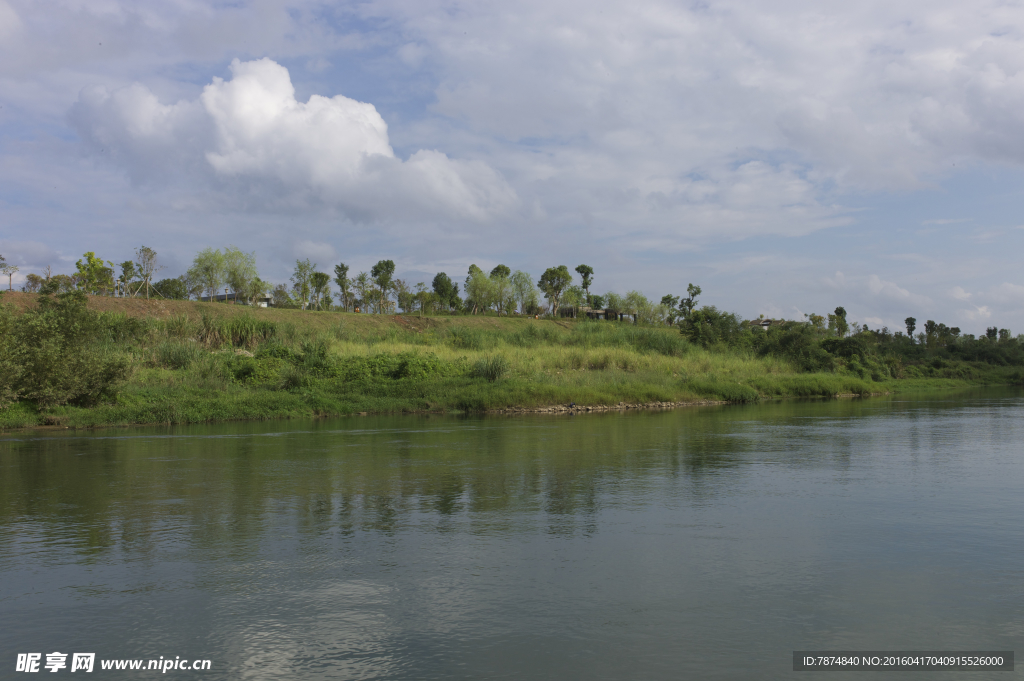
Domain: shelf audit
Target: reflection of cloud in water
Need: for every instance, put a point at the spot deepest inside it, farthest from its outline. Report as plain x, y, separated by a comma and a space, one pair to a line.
343, 631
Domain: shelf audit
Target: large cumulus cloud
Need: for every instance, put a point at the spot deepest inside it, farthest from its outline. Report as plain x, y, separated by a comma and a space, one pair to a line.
251, 136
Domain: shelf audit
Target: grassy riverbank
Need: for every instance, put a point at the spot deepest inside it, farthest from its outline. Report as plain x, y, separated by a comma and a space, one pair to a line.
196, 362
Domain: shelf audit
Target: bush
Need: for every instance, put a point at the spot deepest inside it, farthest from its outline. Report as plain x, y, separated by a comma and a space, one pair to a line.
492, 368
180, 326
175, 355
53, 355
316, 356
709, 326
730, 392
120, 328
465, 338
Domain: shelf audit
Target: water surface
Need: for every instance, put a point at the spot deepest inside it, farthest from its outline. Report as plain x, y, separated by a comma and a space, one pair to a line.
698, 543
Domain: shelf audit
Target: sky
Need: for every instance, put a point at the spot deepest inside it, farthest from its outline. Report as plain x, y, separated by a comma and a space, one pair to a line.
787, 156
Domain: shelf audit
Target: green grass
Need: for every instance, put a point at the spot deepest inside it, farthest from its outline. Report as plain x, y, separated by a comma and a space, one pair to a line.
202, 368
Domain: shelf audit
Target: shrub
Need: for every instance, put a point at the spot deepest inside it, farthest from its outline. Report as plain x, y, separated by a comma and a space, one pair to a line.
176, 355
120, 328
180, 326
709, 326
211, 331
55, 350
731, 392
465, 338
492, 368
316, 356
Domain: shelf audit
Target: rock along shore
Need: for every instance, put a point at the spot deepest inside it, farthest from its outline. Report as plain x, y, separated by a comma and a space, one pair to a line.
621, 406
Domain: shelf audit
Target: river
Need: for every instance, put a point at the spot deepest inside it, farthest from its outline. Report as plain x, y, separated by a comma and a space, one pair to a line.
704, 543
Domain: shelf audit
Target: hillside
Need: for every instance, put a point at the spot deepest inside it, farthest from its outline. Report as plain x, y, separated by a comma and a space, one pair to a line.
90, 361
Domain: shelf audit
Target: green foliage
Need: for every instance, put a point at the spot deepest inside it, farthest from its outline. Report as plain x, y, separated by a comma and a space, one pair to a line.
208, 271
95, 275
119, 327
445, 289
177, 355
302, 286
466, 338
54, 354
729, 392
492, 368
708, 326
344, 284
799, 343
687, 304
398, 366
553, 282
911, 324
58, 283
172, 289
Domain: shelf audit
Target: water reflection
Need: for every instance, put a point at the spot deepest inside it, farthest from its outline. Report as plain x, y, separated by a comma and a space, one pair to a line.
708, 541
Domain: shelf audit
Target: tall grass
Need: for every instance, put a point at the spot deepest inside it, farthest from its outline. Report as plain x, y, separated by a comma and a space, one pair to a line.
296, 370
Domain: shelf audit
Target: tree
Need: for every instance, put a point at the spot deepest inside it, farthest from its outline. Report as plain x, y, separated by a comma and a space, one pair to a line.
207, 272
502, 295
524, 291
171, 289
552, 283
405, 297
257, 289
479, 289
586, 273
320, 283
837, 322
597, 302
670, 301
127, 278
574, 298
444, 289
709, 325
687, 304
343, 282
473, 270
362, 286
301, 281
58, 283
240, 271
817, 322
33, 282
424, 297
382, 274
8, 269
613, 304
146, 265
95, 275
911, 325
281, 297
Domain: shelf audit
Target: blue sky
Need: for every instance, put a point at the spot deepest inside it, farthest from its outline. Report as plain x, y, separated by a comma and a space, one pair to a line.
788, 156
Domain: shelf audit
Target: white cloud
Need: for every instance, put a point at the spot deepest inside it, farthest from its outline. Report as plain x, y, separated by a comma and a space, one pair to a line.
28, 254
318, 252
890, 290
978, 313
838, 281
255, 139
10, 23
1007, 293
958, 293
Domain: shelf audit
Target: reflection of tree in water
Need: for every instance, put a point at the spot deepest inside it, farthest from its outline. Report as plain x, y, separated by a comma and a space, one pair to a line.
483, 475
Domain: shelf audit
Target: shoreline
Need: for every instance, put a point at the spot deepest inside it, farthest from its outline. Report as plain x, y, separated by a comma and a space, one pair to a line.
53, 422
